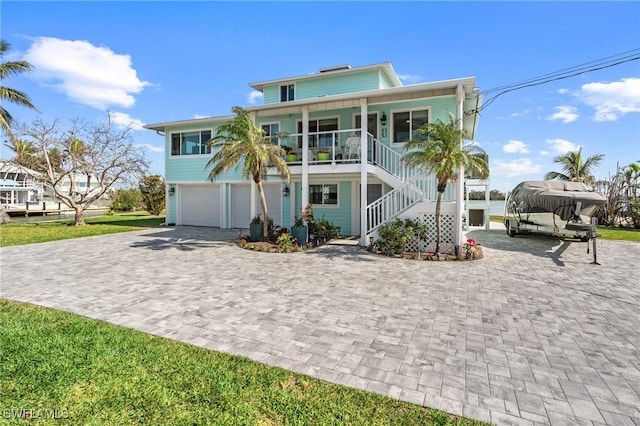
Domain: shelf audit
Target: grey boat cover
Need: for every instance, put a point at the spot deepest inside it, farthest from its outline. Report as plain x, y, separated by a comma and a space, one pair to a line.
555, 196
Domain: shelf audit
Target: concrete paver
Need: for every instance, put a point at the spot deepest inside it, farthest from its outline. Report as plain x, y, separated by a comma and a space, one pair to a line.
531, 334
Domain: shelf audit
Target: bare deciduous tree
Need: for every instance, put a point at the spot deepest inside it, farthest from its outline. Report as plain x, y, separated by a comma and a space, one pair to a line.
92, 158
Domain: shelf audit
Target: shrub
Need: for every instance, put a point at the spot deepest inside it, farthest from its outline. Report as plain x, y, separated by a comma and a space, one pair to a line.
394, 236
152, 189
286, 242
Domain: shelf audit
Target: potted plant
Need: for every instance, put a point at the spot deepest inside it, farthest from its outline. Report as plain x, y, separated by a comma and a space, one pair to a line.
256, 228
300, 231
324, 155
289, 154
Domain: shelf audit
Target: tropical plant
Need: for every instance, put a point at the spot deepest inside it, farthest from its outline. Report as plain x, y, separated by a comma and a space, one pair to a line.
440, 148
574, 169
240, 143
8, 94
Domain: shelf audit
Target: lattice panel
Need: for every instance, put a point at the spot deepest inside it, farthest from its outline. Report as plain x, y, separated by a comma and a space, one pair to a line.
447, 234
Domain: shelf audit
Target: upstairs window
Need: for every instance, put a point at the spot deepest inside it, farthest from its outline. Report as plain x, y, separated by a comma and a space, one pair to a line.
271, 129
191, 143
287, 92
405, 123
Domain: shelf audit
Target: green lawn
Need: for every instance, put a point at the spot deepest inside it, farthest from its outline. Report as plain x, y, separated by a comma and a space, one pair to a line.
606, 232
95, 373
12, 234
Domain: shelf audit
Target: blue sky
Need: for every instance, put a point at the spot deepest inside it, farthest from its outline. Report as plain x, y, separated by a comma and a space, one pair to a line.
149, 62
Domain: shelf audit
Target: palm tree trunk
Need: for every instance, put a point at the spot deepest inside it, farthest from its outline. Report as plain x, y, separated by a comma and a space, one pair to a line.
438, 207
263, 202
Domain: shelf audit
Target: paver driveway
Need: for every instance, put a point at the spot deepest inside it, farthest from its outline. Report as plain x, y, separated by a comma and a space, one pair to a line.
531, 334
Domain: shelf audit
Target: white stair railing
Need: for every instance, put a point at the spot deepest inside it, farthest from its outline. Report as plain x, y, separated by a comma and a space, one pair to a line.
396, 201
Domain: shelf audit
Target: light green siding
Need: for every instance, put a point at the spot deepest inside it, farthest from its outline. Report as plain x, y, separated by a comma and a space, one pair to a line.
335, 85
171, 213
341, 215
271, 94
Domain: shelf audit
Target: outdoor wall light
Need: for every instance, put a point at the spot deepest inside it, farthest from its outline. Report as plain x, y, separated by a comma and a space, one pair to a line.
383, 119
172, 191
285, 191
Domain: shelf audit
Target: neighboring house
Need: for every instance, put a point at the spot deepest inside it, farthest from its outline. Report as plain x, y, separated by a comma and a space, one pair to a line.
356, 182
19, 185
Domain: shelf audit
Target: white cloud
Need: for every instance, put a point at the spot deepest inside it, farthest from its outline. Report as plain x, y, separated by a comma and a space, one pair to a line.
567, 114
562, 146
611, 100
123, 120
254, 96
519, 167
409, 78
545, 153
563, 91
151, 148
197, 116
515, 147
88, 74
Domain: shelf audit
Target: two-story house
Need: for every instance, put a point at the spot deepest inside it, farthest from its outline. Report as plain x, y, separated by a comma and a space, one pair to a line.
348, 167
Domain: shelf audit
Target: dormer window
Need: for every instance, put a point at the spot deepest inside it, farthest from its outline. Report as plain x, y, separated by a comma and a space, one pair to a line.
287, 92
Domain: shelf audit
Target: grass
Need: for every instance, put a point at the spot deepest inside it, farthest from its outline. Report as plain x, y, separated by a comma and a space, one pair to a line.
605, 232
12, 234
95, 373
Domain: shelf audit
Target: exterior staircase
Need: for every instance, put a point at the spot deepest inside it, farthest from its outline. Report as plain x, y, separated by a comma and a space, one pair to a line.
411, 185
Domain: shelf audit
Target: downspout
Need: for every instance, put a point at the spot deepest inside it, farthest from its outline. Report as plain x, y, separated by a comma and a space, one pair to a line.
305, 157
460, 205
364, 112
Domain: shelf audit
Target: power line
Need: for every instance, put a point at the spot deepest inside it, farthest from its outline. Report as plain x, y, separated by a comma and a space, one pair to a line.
595, 65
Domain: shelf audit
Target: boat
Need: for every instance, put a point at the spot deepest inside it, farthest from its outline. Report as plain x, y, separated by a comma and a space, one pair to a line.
559, 208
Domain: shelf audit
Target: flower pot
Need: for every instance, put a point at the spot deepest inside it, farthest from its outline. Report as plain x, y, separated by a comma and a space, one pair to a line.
255, 231
324, 156
300, 233
291, 158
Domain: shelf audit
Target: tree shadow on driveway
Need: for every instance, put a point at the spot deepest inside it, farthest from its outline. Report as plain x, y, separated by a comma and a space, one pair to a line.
188, 238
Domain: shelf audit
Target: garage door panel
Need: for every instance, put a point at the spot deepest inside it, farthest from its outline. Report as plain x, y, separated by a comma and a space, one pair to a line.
200, 205
274, 203
240, 206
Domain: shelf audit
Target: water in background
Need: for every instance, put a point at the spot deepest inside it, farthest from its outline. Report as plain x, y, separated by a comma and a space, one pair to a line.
497, 208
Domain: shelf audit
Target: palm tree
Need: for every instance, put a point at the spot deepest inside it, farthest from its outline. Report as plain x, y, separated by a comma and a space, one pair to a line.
240, 141
9, 94
440, 148
574, 169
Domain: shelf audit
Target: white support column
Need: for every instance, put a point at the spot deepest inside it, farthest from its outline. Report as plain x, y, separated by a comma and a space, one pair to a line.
305, 157
460, 185
254, 204
364, 112
487, 208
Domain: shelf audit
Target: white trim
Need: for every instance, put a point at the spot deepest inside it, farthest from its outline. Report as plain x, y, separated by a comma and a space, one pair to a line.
295, 91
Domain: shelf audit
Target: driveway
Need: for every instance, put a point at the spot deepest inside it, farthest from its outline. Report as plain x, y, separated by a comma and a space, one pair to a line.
531, 334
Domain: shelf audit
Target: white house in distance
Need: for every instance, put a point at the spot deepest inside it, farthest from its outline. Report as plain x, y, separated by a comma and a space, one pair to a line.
347, 167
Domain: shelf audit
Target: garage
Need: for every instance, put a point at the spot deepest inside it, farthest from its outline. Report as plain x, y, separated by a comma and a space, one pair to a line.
240, 206
273, 194
199, 205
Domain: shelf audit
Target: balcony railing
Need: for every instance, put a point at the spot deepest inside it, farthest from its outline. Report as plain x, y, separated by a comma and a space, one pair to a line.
341, 146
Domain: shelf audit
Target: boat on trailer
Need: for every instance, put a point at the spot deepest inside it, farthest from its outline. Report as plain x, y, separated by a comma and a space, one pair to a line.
552, 207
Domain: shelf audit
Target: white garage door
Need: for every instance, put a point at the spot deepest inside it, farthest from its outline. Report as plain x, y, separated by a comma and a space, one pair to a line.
272, 191
200, 205
240, 206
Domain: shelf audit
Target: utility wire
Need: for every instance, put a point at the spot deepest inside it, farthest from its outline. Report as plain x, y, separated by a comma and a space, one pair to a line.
595, 65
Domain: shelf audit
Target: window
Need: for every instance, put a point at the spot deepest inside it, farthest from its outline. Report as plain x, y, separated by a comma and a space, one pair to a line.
191, 143
405, 123
271, 129
324, 195
287, 92
317, 136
